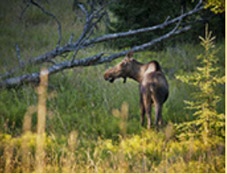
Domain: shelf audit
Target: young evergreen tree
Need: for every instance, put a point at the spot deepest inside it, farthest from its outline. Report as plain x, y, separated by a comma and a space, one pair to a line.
208, 125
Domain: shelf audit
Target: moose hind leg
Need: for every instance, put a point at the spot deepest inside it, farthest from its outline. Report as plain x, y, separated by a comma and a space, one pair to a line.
142, 110
148, 113
147, 106
158, 114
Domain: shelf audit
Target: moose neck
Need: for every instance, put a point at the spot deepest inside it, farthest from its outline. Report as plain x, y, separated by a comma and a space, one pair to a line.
137, 71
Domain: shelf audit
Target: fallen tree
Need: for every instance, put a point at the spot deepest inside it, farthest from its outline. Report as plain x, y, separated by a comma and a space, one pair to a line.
93, 16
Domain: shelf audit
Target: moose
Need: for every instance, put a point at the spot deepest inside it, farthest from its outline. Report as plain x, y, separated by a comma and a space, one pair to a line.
153, 86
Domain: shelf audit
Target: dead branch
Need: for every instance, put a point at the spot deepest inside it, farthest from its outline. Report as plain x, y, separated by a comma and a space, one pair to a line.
93, 17
89, 61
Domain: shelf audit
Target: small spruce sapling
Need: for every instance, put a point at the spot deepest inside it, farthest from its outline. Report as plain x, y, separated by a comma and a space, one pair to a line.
209, 125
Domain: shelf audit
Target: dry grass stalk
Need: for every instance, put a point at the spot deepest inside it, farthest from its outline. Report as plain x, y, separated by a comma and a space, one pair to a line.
27, 123
42, 96
70, 165
8, 155
26, 152
123, 115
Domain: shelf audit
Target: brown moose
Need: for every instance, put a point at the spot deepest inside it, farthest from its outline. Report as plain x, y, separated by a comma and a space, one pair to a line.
153, 85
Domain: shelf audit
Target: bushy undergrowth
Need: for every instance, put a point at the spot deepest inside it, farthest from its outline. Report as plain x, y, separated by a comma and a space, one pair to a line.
149, 151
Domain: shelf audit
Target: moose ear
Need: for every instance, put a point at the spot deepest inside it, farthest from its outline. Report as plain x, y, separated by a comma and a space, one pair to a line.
125, 61
129, 54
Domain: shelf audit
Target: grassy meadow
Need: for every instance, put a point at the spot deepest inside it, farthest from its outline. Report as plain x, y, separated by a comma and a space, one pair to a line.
91, 125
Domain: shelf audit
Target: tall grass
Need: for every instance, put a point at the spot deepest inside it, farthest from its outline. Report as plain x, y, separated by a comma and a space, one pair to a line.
80, 99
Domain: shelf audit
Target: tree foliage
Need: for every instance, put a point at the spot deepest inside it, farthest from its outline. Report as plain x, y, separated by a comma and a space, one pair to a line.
209, 125
132, 14
216, 6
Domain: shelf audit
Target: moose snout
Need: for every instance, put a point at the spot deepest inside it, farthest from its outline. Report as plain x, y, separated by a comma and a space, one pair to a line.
108, 77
